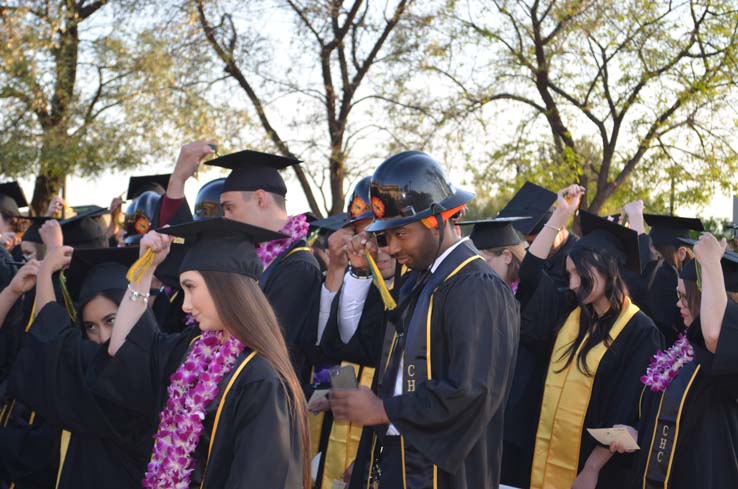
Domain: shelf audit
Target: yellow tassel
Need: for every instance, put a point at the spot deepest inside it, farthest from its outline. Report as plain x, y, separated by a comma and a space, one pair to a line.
698, 268
141, 266
312, 239
389, 301
68, 303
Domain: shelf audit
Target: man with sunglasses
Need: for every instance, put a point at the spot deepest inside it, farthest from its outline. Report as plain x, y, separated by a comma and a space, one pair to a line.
437, 421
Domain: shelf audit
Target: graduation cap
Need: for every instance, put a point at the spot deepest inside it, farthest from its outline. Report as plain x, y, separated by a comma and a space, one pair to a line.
609, 238
330, 223
31, 233
95, 270
12, 198
494, 233
83, 230
220, 244
531, 200
139, 185
666, 229
729, 264
253, 170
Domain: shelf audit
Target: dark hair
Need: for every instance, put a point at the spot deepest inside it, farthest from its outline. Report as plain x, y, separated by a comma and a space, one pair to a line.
113, 295
670, 254
252, 320
594, 330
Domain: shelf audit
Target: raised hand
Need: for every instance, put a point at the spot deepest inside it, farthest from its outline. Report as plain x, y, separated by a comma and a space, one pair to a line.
158, 243
25, 279
51, 234
708, 250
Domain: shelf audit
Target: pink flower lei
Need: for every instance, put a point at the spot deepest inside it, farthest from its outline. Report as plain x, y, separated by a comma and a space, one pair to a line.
665, 365
193, 387
296, 228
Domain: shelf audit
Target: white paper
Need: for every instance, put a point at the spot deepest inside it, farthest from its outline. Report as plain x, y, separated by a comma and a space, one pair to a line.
607, 436
318, 394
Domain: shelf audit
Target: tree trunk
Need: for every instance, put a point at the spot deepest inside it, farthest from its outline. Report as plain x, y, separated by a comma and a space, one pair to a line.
47, 186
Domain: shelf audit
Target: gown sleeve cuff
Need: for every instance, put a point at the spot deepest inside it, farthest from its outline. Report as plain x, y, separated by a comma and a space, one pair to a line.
169, 208
725, 360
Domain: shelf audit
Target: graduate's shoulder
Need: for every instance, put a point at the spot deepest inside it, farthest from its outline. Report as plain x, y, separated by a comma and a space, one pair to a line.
257, 370
474, 277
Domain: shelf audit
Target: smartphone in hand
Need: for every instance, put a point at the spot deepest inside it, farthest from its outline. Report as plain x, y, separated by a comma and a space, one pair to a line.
343, 377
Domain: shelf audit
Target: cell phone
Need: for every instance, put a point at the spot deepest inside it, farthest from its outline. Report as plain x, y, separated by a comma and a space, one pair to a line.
343, 377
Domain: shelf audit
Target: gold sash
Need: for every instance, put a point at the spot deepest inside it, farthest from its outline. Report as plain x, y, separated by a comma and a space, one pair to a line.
565, 402
344, 439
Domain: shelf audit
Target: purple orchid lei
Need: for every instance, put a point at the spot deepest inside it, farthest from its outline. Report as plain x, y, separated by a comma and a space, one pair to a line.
665, 365
193, 387
296, 228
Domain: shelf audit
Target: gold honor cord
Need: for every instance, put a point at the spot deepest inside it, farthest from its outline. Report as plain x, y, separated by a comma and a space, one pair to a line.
389, 301
141, 266
68, 303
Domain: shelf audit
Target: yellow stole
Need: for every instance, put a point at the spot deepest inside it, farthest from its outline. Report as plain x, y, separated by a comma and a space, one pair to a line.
565, 402
343, 441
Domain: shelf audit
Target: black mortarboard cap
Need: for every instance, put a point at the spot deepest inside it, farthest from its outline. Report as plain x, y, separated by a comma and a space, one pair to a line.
84, 231
729, 264
12, 198
139, 185
494, 233
531, 200
98, 269
666, 229
606, 237
31, 234
221, 245
253, 170
331, 223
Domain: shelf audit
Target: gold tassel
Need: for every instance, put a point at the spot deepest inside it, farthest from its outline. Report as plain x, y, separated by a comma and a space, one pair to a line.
389, 301
68, 303
141, 266
313, 238
698, 268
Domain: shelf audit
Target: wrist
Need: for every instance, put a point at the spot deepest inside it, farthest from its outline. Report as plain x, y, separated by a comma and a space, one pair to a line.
11, 293
559, 218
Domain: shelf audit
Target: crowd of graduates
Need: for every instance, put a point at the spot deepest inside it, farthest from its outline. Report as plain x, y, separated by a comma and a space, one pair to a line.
397, 345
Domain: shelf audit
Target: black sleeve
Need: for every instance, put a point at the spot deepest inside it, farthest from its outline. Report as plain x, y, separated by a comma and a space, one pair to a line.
444, 417
617, 390
137, 376
724, 365
53, 373
543, 307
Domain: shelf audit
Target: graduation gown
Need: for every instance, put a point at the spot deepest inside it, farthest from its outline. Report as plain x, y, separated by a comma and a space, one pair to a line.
363, 349
450, 415
256, 443
616, 387
690, 432
29, 445
9, 334
109, 446
555, 265
292, 284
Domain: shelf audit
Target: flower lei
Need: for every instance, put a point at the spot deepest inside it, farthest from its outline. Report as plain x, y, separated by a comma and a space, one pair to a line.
296, 229
193, 387
665, 365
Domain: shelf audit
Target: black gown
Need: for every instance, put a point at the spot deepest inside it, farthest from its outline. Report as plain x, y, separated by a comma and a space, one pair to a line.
292, 284
706, 453
364, 349
109, 445
29, 445
454, 419
616, 388
257, 443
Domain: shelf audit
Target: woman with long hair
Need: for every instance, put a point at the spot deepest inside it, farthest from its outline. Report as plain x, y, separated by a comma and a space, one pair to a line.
233, 414
688, 428
599, 342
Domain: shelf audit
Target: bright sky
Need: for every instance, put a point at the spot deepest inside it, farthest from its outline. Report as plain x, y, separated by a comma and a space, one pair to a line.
101, 190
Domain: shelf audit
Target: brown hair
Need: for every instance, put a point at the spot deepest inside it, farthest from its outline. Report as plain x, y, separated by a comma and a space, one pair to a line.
252, 320
518, 253
694, 297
